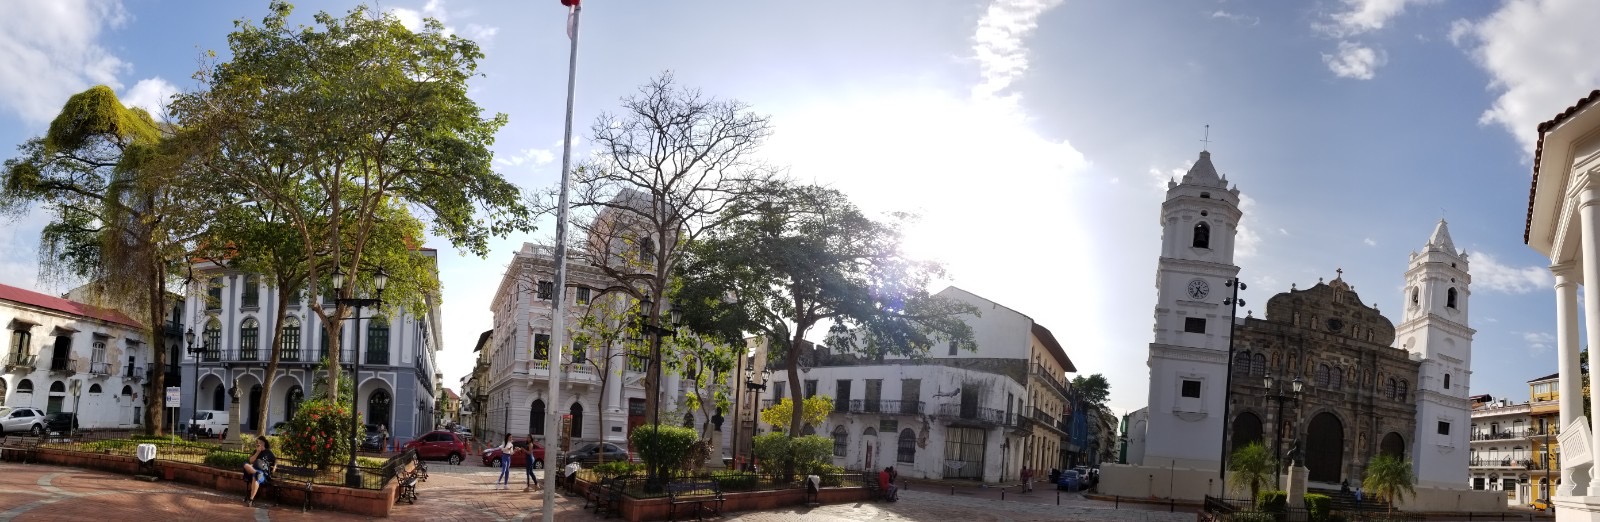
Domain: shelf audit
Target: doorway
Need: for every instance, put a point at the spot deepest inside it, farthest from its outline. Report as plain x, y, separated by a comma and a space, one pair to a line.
1324, 451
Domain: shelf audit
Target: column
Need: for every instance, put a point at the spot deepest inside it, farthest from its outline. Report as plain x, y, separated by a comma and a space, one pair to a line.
1571, 392
1589, 215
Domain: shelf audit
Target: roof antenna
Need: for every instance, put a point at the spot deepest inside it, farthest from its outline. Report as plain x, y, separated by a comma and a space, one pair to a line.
1206, 140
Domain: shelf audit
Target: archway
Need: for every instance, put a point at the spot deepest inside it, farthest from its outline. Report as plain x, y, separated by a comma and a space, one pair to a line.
219, 398
536, 417
254, 406
1324, 448
292, 400
870, 438
1393, 445
378, 408
1246, 429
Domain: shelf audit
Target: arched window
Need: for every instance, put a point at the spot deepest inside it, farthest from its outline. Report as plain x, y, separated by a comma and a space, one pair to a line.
378, 407
536, 417
1337, 380
1260, 366
1394, 389
58, 387
1202, 235
94, 389
291, 339
841, 441
1450, 298
1324, 377
292, 400
1241, 363
577, 420
250, 296
907, 452
26, 386
249, 339
1402, 391
1447, 381
213, 340
219, 397
378, 340
127, 391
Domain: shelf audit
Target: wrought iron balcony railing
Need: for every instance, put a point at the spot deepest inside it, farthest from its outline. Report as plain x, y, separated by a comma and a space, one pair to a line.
100, 368
377, 357
891, 407
63, 364
21, 361
980, 415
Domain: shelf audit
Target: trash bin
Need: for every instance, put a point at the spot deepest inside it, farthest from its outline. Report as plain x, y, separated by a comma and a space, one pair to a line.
146, 452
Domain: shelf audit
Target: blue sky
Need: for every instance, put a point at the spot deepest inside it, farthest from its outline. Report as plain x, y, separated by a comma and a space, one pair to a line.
1034, 136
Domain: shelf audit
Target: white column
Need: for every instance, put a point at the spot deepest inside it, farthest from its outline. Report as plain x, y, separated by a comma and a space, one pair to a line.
614, 382
1571, 392
1589, 215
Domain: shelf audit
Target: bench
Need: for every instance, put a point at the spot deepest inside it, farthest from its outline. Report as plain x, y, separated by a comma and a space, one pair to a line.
408, 483
281, 474
705, 496
869, 480
21, 449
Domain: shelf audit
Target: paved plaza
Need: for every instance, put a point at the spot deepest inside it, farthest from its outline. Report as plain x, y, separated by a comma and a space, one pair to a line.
30, 492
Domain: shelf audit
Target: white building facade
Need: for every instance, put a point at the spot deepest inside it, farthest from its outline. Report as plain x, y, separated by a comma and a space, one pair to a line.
233, 314
66, 356
1501, 456
1437, 294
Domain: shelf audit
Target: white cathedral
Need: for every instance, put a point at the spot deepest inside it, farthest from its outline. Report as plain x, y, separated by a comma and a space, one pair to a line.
1181, 432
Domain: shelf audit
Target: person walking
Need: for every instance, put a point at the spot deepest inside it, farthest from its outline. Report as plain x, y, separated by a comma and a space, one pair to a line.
504, 482
527, 464
1358, 495
1027, 479
383, 438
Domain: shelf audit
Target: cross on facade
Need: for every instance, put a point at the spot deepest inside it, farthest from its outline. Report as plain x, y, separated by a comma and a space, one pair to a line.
1339, 271
1207, 139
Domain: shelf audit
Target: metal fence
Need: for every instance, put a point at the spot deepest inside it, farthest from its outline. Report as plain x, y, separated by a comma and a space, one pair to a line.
372, 476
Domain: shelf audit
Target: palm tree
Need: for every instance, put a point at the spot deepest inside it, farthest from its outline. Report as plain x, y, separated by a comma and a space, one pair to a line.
1251, 466
1390, 478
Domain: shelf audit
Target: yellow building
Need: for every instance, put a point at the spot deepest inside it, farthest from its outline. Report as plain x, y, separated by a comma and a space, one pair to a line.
1543, 395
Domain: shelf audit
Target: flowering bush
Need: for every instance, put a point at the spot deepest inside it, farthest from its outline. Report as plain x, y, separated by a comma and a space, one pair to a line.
319, 434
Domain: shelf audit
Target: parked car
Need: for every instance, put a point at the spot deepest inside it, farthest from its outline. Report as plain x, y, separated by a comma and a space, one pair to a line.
463, 431
440, 444
491, 456
1070, 481
1542, 504
209, 423
588, 455
61, 422
14, 420
373, 441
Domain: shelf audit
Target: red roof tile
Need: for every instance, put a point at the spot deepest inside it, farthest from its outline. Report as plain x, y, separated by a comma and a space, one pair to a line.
1538, 150
32, 298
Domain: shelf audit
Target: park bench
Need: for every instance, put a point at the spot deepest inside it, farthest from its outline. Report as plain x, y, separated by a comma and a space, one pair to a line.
705, 496
870, 481
281, 476
21, 449
606, 496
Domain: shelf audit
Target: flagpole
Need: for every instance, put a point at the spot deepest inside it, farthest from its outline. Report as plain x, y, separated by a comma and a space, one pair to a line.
558, 331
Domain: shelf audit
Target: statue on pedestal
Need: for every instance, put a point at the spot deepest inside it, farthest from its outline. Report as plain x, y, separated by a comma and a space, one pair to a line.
1295, 457
716, 420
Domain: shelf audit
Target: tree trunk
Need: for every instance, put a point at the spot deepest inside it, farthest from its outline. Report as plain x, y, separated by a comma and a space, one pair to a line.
332, 328
284, 294
155, 397
797, 416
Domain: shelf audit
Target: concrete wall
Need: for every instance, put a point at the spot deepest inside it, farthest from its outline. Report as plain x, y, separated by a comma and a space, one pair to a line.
1437, 499
1149, 482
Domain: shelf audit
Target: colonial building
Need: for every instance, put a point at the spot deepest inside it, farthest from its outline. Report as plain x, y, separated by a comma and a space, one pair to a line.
1501, 456
1544, 432
951, 414
67, 356
234, 313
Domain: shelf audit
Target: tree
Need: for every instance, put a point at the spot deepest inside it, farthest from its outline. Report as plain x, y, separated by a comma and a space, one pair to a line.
126, 213
1251, 466
1092, 390
706, 363
334, 122
603, 326
1390, 478
800, 256
813, 412
665, 172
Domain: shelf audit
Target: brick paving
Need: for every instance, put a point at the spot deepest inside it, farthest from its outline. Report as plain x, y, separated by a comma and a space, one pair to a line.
30, 492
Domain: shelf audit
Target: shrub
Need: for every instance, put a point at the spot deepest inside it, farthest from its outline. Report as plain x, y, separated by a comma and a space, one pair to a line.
110, 444
1317, 507
782, 456
663, 448
832, 476
318, 435
226, 459
1271, 501
736, 480
616, 469
1249, 516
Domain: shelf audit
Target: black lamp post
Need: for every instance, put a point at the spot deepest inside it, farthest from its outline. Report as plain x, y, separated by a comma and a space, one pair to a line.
1274, 395
649, 327
352, 474
753, 389
198, 352
1233, 302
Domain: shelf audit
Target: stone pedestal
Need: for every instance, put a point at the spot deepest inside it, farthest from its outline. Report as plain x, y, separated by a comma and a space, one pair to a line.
715, 459
1295, 485
232, 439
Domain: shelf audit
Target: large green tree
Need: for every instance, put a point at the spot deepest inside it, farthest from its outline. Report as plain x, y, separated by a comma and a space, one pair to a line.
334, 122
1093, 390
1251, 467
802, 256
126, 211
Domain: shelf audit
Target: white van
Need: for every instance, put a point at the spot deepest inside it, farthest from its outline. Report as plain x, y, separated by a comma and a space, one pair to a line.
209, 423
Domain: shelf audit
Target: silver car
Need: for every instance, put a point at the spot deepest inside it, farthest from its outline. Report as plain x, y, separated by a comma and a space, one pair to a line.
14, 420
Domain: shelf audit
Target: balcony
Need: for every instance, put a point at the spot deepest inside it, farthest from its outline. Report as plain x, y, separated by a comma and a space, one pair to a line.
1529, 464
1552, 431
1497, 435
174, 328
19, 361
211, 355
377, 357
63, 365
986, 416
249, 354
886, 407
1044, 418
287, 355
1056, 381
134, 373
100, 368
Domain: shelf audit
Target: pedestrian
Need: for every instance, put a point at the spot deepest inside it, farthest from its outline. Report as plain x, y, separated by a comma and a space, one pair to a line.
1344, 486
1055, 475
886, 485
1027, 479
383, 438
527, 464
1358, 495
504, 482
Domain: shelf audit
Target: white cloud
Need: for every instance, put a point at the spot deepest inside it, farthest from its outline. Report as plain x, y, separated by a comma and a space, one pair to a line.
50, 50
1244, 244
481, 33
1236, 18
1159, 178
1370, 242
1540, 56
998, 42
1355, 61
1363, 16
1538, 342
413, 19
152, 95
1490, 274
531, 157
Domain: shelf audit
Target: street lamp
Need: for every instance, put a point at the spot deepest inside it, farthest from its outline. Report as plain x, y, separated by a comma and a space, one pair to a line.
1274, 395
380, 279
753, 389
198, 353
1233, 302
649, 327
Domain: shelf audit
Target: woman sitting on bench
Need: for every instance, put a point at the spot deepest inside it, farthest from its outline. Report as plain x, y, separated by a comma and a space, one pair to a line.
257, 467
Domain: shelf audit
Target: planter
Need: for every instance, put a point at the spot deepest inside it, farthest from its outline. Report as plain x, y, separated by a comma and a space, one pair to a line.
643, 510
367, 502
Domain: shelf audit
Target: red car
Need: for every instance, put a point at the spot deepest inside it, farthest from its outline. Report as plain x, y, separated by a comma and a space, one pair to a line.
491, 456
440, 445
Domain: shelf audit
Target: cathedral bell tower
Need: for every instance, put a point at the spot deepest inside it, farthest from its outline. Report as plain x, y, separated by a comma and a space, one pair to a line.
1189, 356
1437, 296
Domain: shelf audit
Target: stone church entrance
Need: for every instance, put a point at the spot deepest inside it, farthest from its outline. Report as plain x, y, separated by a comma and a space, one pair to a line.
1324, 451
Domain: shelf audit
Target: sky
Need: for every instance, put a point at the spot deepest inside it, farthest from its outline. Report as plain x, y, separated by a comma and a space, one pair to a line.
1034, 137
